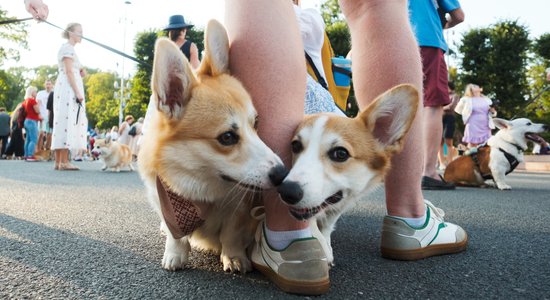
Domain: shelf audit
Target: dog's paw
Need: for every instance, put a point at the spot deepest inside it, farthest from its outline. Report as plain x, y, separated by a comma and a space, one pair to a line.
174, 261
236, 264
503, 186
176, 253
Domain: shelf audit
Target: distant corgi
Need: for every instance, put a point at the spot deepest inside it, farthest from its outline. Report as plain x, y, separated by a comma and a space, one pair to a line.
503, 153
201, 150
338, 160
43, 155
113, 154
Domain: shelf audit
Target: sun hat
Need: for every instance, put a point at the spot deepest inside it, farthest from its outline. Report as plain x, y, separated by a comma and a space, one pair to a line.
176, 22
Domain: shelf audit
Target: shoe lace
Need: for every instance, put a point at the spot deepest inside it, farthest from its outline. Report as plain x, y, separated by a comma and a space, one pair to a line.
438, 212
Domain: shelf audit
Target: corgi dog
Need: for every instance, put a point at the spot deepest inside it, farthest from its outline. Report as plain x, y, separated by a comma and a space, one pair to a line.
338, 160
504, 151
113, 154
201, 153
43, 155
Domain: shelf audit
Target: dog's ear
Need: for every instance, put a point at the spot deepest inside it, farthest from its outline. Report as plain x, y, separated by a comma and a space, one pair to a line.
501, 123
108, 139
216, 50
172, 79
390, 116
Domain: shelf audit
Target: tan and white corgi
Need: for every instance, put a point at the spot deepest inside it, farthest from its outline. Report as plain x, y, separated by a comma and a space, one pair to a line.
201, 153
113, 154
337, 160
503, 153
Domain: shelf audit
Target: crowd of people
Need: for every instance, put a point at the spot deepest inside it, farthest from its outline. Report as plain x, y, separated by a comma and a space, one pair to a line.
386, 36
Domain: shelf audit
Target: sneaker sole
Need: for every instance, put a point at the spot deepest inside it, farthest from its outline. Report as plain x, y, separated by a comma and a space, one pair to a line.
313, 288
425, 252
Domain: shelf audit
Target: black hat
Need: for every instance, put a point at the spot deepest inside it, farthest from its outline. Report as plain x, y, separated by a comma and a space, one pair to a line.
176, 22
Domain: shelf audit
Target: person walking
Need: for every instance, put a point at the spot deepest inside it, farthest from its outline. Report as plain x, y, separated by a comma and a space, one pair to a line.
16, 145
70, 121
428, 29
477, 115
5, 130
32, 109
124, 129
44, 127
447, 150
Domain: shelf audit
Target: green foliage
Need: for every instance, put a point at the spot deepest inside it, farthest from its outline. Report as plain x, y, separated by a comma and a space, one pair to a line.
101, 107
41, 74
340, 39
542, 46
11, 88
330, 11
13, 36
141, 83
196, 35
496, 59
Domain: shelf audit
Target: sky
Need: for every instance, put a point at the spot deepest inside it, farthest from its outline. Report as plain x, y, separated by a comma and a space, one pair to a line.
114, 23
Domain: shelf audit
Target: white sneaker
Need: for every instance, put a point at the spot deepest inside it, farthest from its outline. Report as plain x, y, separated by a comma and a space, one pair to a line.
301, 268
436, 237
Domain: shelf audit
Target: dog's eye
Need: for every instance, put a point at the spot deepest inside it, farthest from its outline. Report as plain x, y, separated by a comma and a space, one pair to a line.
528, 124
256, 123
228, 138
296, 147
338, 154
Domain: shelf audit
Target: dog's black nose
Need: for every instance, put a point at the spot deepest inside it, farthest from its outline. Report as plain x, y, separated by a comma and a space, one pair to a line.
546, 128
277, 174
290, 192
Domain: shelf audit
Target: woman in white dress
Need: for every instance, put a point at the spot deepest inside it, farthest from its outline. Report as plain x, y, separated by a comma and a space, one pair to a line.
70, 121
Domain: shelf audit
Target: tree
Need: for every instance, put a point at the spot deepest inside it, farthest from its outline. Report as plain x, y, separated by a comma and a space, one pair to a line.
12, 88
541, 47
43, 73
336, 27
330, 11
12, 36
496, 59
101, 107
141, 83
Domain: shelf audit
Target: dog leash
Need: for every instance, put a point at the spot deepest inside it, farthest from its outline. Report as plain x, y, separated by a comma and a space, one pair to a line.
141, 62
103, 46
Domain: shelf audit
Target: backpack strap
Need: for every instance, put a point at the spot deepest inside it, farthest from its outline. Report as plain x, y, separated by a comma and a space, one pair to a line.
341, 70
320, 78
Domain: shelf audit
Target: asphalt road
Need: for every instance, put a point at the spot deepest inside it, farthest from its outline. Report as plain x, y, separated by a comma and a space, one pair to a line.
92, 235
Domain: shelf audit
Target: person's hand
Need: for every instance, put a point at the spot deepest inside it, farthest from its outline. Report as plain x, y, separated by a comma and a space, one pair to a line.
37, 8
79, 98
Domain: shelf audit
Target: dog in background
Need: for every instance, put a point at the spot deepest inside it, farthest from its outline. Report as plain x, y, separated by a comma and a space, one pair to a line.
201, 153
337, 160
114, 154
504, 151
43, 155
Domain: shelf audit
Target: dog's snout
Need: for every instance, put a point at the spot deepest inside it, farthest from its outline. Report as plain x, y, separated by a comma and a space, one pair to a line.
277, 174
291, 192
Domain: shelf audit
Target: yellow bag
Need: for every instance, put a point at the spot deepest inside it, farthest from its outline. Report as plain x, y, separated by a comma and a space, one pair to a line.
338, 76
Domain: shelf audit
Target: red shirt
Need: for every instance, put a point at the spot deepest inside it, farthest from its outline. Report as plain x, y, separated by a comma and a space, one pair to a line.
29, 108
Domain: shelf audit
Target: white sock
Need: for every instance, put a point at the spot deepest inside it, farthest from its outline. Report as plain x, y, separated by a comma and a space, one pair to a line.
279, 240
414, 222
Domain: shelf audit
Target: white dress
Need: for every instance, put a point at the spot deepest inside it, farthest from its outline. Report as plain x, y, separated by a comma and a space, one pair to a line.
68, 132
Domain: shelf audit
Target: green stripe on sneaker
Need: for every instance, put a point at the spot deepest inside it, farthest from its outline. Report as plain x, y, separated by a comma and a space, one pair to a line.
441, 226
